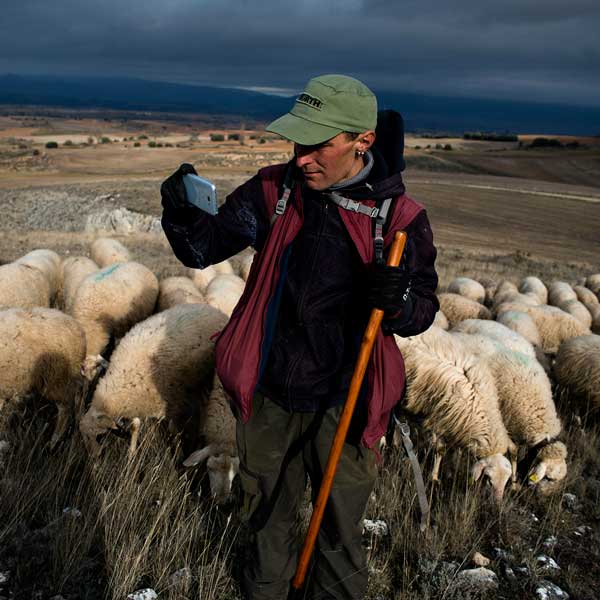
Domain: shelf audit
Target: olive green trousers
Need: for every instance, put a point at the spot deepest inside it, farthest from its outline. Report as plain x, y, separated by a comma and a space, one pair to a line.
278, 452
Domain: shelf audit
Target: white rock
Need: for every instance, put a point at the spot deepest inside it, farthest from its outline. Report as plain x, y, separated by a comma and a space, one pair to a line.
145, 594
534, 518
522, 571
547, 564
72, 512
480, 579
550, 542
4, 577
546, 590
582, 530
377, 528
500, 554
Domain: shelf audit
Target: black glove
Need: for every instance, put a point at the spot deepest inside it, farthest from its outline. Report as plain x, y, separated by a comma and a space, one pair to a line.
172, 190
388, 289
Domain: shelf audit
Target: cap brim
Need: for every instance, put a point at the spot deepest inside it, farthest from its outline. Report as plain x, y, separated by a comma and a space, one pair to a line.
302, 131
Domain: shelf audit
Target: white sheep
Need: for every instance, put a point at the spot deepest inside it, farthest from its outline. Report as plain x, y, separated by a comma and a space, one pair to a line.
23, 286
554, 325
109, 302
577, 366
560, 292
224, 292
108, 251
578, 310
595, 312
218, 431
498, 332
160, 369
48, 262
73, 271
535, 286
521, 323
586, 296
441, 321
490, 285
592, 282
177, 290
524, 395
455, 395
246, 265
467, 287
41, 351
458, 308
202, 277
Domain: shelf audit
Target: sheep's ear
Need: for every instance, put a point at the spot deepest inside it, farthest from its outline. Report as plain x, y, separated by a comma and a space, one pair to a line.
477, 470
538, 474
197, 457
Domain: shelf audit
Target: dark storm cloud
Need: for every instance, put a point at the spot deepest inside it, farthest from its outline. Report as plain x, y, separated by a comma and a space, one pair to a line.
516, 48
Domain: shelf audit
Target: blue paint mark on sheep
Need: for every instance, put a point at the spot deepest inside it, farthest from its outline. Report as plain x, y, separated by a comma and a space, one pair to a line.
104, 273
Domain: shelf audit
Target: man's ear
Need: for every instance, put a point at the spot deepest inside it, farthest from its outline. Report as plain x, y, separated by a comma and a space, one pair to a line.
364, 141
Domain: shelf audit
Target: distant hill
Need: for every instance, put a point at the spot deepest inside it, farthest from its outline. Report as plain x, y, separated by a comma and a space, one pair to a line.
421, 113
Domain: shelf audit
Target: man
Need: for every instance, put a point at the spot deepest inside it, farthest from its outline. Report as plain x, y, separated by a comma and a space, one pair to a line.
287, 355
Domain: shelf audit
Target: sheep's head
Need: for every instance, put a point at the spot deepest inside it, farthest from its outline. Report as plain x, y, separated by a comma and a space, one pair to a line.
93, 366
497, 469
222, 468
93, 424
550, 467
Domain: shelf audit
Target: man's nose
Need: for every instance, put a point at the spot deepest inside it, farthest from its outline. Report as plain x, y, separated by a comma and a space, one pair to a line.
303, 156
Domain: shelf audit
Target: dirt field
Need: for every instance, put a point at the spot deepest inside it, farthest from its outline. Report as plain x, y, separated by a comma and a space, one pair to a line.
486, 199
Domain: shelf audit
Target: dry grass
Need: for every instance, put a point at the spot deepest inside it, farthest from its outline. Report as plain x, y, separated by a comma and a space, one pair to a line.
89, 531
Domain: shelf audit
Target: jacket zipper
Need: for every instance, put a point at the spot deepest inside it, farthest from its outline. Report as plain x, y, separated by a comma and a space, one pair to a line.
292, 370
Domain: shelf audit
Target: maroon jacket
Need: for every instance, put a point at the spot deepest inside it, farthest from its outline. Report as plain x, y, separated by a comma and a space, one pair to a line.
240, 345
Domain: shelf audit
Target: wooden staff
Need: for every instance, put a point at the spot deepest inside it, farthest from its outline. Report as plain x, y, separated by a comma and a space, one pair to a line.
342, 429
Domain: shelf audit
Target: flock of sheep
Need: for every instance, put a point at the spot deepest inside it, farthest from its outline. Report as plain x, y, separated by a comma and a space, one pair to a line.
479, 379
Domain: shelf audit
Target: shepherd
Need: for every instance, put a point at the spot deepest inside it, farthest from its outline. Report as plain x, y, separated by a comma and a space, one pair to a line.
322, 226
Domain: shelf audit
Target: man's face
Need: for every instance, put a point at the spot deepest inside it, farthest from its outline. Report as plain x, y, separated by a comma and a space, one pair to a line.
328, 163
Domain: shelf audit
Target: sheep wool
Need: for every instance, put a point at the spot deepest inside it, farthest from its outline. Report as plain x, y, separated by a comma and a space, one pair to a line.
109, 302
48, 262
455, 395
108, 251
524, 392
535, 286
577, 366
579, 311
592, 282
467, 287
161, 369
553, 324
458, 308
73, 271
218, 430
177, 290
202, 277
41, 350
224, 292
23, 286
560, 292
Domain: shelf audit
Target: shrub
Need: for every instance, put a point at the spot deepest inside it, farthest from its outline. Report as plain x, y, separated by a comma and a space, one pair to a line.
36, 152
447, 146
136, 144
105, 140
142, 137
417, 147
51, 145
68, 143
262, 141
542, 142
90, 140
217, 137
439, 147
168, 145
152, 144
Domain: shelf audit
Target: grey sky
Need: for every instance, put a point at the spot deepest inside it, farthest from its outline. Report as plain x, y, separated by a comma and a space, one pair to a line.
535, 50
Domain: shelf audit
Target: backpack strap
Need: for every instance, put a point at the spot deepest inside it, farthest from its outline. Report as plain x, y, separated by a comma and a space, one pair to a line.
379, 224
288, 184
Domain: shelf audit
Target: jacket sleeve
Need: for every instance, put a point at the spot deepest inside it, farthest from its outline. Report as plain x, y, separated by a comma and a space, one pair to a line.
422, 304
199, 239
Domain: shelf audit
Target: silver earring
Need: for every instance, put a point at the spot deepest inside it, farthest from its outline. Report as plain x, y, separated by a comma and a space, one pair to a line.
359, 153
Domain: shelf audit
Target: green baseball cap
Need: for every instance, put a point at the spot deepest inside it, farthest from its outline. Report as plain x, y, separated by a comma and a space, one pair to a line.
329, 105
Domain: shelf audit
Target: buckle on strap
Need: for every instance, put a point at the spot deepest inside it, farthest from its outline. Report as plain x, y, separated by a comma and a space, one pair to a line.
354, 206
